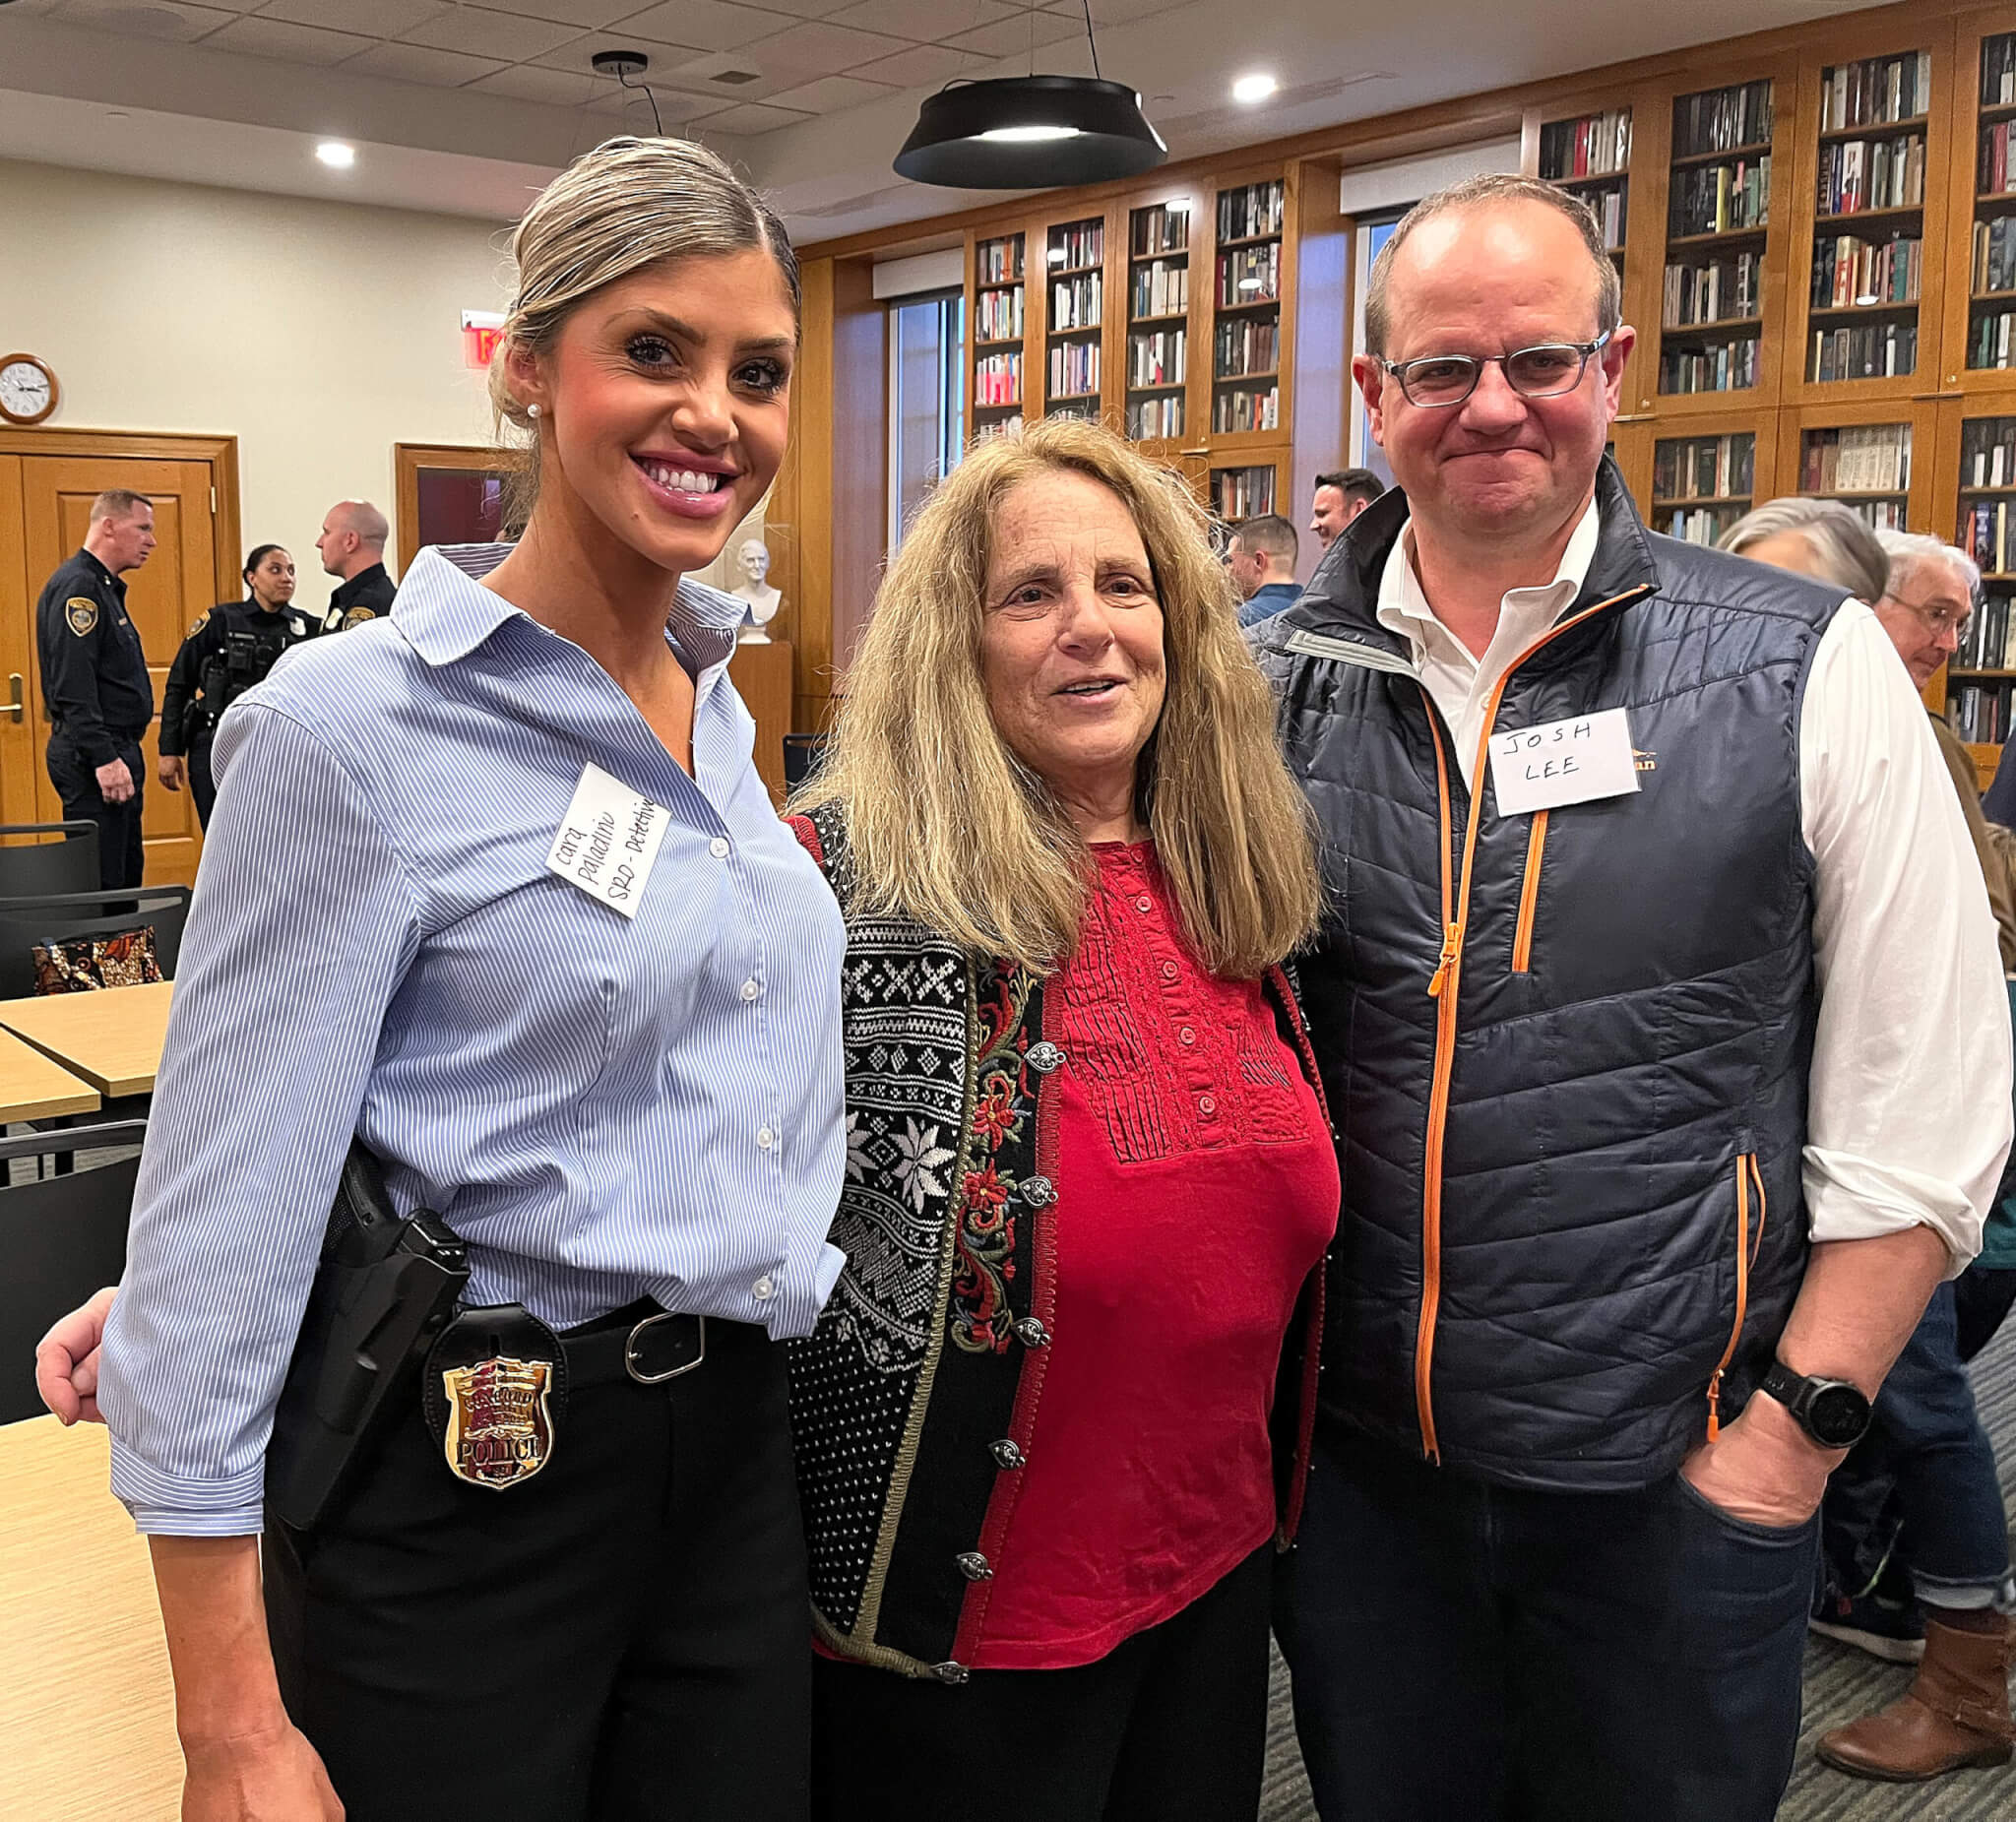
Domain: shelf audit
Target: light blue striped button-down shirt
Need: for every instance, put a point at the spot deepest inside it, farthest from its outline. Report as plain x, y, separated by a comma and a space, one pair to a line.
604, 1107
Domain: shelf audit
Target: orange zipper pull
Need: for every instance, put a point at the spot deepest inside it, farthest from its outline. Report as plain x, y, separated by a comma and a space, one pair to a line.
1714, 1406
1450, 934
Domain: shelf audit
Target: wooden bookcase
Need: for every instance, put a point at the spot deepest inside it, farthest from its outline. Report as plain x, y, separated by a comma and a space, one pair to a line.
997, 343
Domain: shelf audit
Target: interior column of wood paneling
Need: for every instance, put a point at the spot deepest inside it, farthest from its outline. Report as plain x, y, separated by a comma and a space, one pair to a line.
1319, 389
861, 455
804, 494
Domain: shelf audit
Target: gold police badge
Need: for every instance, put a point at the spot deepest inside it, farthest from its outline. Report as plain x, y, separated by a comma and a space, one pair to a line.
356, 618
82, 612
500, 1431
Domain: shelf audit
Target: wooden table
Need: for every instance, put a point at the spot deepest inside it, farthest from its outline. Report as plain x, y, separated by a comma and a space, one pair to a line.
112, 1039
87, 1710
32, 1088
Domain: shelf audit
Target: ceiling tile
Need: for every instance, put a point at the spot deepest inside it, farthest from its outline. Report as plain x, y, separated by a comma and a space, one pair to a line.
711, 25
415, 63
750, 118
168, 22
482, 33
926, 22
822, 50
1013, 37
1114, 11
275, 37
588, 13
575, 55
921, 66
378, 18
33, 9
830, 95
527, 83
697, 78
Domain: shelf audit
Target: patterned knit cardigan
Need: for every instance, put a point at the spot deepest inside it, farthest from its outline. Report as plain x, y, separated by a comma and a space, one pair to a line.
914, 1402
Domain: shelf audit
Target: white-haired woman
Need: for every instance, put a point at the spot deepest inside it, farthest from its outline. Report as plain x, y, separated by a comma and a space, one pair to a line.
1089, 1171
493, 886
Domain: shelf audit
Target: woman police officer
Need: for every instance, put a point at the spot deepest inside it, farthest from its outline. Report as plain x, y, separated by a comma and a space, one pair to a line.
616, 1082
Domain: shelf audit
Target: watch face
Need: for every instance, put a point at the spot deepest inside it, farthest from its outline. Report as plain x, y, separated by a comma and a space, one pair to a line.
1837, 1416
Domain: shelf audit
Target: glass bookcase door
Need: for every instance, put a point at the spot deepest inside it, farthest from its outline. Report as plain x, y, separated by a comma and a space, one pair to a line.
999, 329
1074, 278
1158, 321
1247, 276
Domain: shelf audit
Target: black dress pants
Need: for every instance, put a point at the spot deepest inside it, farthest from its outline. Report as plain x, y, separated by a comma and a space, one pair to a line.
1169, 1726
623, 1637
77, 784
202, 782
1463, 1651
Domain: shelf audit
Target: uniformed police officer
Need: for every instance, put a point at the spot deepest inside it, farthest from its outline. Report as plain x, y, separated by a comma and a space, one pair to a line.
96, 688
229, 648
352, 547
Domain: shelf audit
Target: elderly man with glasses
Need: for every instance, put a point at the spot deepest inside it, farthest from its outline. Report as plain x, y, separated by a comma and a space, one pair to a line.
1649, 900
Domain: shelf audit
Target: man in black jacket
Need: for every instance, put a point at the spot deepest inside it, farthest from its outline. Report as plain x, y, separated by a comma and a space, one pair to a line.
353, 547
1649, 891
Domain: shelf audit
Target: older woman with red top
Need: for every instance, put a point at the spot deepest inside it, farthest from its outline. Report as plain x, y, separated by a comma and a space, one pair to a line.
1089, 1175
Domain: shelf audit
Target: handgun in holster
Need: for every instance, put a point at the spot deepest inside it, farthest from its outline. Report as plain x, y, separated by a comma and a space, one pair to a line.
386, 1287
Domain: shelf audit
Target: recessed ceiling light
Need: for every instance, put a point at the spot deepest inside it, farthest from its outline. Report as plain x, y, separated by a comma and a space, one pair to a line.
336, 154
1255, 88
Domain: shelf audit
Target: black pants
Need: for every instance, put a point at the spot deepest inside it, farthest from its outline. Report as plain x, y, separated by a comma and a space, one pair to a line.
1464, 1651
202, 783
623, 1637
1171, 1727
77, 785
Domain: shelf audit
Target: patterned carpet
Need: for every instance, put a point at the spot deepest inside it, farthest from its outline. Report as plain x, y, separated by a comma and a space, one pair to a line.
1839, 1684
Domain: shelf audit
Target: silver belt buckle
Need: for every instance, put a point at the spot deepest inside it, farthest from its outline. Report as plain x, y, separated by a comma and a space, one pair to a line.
630, 1353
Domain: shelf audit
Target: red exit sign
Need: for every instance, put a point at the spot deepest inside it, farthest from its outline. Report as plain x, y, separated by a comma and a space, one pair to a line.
482, 331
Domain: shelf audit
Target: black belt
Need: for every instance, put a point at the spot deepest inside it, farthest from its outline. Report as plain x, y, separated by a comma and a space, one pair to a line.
640, 1342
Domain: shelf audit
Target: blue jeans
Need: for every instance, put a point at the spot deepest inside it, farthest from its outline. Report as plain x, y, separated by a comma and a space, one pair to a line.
1489, 1654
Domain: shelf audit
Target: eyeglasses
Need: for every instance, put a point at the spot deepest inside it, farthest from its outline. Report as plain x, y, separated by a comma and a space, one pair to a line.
1547, 372
1939, 620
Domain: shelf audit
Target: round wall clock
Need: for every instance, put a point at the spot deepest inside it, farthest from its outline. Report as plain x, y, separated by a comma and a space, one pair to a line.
28, 389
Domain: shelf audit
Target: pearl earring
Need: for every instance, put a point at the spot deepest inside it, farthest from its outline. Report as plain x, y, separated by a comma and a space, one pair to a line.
532, 411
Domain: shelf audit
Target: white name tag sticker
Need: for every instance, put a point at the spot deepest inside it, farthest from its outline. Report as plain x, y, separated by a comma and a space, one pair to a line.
608, 839
1576, 761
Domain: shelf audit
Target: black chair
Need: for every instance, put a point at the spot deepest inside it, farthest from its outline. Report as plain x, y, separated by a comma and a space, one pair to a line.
70, 915
37, 868
63, 1238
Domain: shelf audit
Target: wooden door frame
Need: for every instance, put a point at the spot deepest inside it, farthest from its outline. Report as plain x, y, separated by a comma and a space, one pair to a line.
410, 459
220, 452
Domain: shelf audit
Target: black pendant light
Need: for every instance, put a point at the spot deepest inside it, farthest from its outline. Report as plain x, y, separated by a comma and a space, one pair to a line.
1030, 133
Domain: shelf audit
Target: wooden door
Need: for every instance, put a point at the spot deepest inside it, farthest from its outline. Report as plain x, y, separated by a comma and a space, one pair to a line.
163, 597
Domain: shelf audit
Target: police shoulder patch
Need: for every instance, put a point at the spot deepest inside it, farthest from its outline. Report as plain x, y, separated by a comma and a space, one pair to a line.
358, 616
82, 614
202, 620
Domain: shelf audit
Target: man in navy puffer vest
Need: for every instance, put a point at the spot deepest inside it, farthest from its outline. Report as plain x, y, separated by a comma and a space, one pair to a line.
1663, 1026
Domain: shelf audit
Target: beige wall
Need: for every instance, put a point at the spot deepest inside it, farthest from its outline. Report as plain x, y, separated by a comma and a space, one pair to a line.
318, 334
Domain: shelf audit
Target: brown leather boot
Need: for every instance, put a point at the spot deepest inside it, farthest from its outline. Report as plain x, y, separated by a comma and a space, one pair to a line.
1955, 1713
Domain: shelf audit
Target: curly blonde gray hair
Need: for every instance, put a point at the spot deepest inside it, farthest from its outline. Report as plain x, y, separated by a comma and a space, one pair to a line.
947, 827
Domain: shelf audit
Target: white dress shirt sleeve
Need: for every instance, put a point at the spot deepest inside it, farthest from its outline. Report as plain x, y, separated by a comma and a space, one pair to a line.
1909, 1115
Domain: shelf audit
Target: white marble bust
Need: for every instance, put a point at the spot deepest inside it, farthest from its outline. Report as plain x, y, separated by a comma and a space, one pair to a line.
753, 560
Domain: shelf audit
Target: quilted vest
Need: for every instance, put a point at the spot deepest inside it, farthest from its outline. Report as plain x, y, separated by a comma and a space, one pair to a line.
1566, 1051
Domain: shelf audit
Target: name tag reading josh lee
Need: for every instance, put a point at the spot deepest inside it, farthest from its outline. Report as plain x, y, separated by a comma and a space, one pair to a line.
1576, 761
608, 839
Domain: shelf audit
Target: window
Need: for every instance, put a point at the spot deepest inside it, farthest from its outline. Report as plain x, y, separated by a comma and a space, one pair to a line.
1372, 234
926, 399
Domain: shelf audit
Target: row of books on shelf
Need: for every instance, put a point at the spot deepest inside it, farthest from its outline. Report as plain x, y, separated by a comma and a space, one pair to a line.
1721, 366
1876, 91
1864, 352
1856, 458
1988, 534
1242, 493
1849, 270
997, 315
1237, 409
1161, 287
1988, 453
998, 262
1078, 303
998, 379
1977, 714
1165, 229
1253, 209
1994, 255
1720, 199
1722, 119
1871, 174
1085, 410
1595, 146
1609, 214
1704, 468
1988, 646
1698, 525
1245, 346
1081, 243
1990, 338
1713, 291
1156, 359
1878, 515
1998, 71
1074, 369
1156, 418
1992, 173
1249, 274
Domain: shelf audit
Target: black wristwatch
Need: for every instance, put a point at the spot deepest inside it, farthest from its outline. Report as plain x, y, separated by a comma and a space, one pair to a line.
1831, 1412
